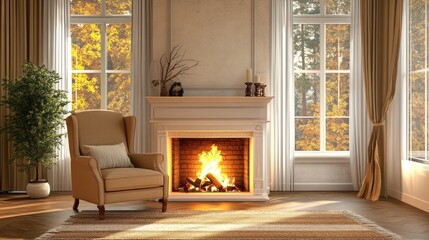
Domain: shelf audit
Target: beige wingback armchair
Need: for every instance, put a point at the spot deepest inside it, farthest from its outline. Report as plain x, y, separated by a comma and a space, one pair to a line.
146, 180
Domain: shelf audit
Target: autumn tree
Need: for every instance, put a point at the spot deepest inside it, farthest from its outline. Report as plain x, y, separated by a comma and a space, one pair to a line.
307, 55
418, 77
88, 73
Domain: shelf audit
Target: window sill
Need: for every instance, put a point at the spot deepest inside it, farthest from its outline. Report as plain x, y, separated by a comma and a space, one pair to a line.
322, 157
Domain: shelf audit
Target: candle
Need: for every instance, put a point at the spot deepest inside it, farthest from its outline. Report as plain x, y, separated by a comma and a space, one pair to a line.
249, 75
257, 79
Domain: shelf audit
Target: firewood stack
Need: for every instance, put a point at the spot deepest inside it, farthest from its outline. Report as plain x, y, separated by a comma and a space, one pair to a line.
209, 184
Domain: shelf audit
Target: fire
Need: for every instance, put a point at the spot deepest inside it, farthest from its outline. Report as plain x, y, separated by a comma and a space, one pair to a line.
210, 164
210, 177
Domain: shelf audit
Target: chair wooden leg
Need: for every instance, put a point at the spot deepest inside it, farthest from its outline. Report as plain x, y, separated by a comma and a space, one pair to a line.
101, 212
76, 205
164, 204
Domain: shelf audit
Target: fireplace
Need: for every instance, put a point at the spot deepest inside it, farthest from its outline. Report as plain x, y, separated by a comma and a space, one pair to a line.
185, 128
207, 165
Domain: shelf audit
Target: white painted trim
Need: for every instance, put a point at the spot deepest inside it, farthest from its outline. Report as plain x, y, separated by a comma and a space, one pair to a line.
233, 197
408, 199
323, 187
326, 160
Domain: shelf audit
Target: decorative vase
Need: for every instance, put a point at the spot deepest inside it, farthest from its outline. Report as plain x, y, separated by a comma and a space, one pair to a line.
164, 90
38, 189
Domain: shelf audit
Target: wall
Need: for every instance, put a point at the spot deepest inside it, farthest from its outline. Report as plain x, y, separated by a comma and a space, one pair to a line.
225, 37
406, 180
322, 173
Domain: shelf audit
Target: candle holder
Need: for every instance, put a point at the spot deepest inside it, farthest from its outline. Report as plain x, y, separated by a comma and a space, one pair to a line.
258, 90
263, 86
248, 92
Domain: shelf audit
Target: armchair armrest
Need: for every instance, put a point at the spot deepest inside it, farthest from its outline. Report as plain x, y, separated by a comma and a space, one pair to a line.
87, 180
151, 161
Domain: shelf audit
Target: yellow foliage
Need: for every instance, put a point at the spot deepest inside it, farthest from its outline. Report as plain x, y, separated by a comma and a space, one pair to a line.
87, 55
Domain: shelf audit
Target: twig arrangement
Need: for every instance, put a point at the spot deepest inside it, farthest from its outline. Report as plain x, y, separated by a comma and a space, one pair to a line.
174, 65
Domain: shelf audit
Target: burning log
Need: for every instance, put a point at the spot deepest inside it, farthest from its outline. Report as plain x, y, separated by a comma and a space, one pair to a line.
206, 183
195, 183
214, 180
233, 188
198, 181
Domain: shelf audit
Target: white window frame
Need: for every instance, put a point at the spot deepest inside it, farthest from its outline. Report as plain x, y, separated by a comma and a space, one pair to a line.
102, 20
408, 88
322, 19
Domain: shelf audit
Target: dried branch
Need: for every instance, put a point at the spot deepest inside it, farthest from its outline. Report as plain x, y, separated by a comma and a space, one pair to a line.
174, 65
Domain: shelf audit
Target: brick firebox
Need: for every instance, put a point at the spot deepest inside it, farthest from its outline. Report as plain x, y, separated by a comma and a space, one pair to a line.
235, 159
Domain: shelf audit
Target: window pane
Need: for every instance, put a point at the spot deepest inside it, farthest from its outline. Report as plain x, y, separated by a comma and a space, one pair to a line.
86, 91
338, 46
118, 7
307, 94
86, 46
85, 7
417, 34
118, 46
337, 94
118, 92
337, 134
338, 7
307, 134
417, 115
305, 7
306, 46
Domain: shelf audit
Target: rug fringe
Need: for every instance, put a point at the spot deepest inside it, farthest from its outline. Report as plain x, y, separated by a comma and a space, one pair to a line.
370, 224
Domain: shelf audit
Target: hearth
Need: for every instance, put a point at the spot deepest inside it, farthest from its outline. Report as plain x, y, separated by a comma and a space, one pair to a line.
208, 165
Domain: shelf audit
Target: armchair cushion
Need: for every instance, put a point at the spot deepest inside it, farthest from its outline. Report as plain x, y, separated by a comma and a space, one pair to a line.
111, 156
118, 179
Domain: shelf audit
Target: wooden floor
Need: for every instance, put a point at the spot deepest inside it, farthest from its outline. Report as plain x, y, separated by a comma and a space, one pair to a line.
23, 218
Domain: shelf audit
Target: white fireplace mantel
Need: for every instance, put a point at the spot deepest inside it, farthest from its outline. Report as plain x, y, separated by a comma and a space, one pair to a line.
214, 117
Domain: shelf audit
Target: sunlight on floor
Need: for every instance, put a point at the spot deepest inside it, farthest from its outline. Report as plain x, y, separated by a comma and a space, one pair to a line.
228, 224
30, 213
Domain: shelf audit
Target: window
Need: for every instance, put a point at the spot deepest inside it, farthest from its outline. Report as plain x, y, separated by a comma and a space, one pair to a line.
321, 48
418, 80
101, 54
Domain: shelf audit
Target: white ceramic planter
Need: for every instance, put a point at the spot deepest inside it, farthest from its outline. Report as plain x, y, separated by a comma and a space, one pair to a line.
38, 190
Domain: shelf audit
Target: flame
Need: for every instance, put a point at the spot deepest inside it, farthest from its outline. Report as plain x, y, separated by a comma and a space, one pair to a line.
210, 164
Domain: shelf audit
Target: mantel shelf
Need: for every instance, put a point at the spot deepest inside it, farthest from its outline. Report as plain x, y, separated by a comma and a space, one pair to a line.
215, 108
209, 99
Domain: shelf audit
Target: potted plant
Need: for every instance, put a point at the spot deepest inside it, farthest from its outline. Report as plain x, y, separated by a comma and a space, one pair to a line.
36, 113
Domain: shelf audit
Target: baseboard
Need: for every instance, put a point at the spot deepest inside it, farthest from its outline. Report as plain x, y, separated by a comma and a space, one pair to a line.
323, 187
18, 192
408, 199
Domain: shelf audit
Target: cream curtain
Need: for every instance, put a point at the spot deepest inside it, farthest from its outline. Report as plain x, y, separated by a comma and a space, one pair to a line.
281, 164
140, 80
381, 29
20, 30
56, 56
360, 125
396, 122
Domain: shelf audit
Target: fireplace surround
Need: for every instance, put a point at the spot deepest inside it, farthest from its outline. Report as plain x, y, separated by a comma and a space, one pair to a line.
208, 120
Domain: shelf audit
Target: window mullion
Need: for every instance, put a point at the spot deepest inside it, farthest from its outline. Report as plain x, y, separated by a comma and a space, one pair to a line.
426, 83
322, 7
322, 88
103, 77
103, 7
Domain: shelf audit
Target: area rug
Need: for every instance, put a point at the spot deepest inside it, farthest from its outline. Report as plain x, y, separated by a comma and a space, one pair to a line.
200, 224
